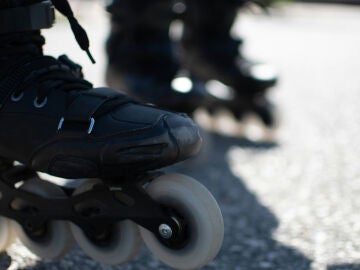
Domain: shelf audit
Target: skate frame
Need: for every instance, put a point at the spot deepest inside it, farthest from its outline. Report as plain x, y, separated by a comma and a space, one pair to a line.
95, 211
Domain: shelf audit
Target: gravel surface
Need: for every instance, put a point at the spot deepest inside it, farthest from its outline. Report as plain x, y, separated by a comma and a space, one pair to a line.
292, 204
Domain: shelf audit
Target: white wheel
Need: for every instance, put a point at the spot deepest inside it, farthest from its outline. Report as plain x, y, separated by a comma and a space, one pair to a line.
56, 239
202, 214
124, 244
7, 234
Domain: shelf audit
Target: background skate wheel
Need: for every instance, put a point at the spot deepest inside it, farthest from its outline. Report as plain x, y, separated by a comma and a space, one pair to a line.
56, 239
125, 242
7, 234
202, 214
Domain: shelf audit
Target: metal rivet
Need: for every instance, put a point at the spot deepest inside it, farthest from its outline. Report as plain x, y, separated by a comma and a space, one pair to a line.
165, 231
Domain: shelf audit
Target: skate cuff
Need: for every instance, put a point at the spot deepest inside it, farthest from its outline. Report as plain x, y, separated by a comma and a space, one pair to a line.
33, 17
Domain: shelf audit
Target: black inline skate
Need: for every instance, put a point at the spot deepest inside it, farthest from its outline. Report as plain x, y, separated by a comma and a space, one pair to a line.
211, 54
54, 122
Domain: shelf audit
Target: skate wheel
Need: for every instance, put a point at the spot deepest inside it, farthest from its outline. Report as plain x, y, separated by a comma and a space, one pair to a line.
202, 214
56, 239
124, 245
7, 234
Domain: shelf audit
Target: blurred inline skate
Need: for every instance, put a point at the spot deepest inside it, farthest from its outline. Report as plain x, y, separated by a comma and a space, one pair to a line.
203, 69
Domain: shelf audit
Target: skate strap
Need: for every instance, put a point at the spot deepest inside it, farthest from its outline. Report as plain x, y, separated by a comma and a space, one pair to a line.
27, 18
84, 107
87, 105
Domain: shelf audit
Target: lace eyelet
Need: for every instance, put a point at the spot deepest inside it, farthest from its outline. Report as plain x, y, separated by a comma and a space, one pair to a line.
17, 97
38, 104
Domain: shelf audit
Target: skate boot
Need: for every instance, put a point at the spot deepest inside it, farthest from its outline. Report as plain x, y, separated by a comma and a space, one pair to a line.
211, 54
54, 122
141, 56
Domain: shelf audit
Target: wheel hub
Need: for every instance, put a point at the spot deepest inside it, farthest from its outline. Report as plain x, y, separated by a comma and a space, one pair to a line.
165, 231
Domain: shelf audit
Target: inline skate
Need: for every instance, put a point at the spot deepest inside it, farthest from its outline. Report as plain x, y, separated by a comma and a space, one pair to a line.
211, 54
56, 123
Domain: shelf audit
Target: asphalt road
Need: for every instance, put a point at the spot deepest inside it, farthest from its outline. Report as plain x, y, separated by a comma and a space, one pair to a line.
289, 205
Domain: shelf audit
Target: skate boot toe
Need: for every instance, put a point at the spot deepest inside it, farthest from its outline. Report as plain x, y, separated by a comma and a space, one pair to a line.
167, 139
186, 135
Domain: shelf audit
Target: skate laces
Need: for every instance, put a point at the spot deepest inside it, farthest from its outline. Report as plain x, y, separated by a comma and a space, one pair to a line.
24, 48
80, 34
31, 42
46, 74
57, 76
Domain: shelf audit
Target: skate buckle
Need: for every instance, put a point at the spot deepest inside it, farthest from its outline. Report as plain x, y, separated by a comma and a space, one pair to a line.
90, 129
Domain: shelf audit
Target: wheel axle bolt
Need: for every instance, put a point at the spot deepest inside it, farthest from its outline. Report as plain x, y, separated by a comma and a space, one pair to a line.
165, 231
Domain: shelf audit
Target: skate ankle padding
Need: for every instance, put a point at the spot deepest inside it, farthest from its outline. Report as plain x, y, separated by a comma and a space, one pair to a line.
27, 18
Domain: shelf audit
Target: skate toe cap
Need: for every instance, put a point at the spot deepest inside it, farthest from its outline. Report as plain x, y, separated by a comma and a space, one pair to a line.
185, 134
